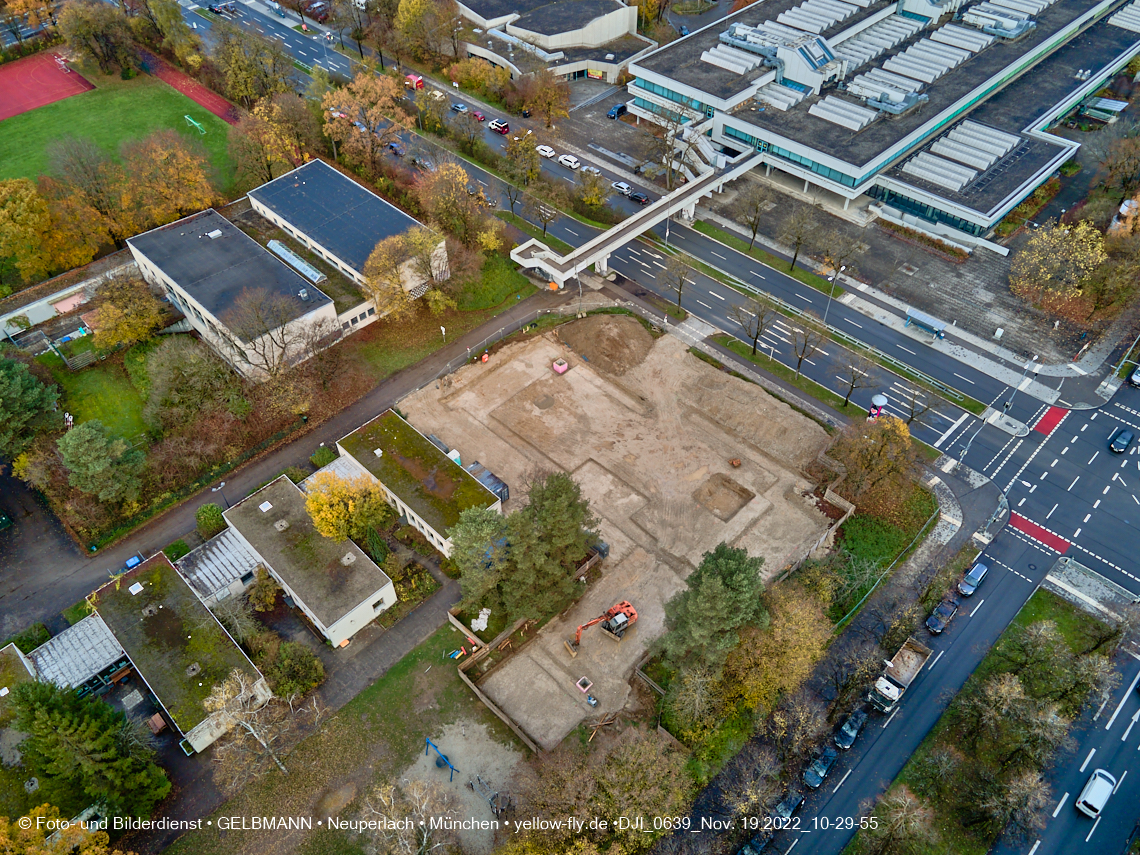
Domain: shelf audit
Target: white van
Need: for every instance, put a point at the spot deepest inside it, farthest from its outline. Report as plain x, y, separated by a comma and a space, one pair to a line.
1095, 795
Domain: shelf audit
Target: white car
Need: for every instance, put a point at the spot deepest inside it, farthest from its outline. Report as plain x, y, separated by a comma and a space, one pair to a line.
544, 150
1095, 795
593, 170
622, 188
569, 161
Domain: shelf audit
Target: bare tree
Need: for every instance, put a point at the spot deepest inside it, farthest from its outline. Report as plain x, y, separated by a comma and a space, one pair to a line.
918, 402
539, 210
257, 723
755, 316
757, 784
388, 805
848, 673
800, 231
677, 271
905, 824
854, 373
675, 144
236, 616
795, 725
261, 332
806, 339
840, 249
750, 205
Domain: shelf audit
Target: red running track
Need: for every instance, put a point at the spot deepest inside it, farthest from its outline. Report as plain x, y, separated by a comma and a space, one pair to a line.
1043, 535
193, 90
34, 81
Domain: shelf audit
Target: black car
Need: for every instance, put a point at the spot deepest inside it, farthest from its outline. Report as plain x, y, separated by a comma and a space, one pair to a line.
223, 8
423, 163
846, 735
786, 808
821, 764
973, 579
640, 198
758, 845
942, 615
1121, 441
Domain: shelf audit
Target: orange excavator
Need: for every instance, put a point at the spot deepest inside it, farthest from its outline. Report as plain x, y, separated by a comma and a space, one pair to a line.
614, 623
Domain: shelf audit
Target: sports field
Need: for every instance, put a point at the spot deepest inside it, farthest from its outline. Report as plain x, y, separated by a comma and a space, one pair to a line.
112, 113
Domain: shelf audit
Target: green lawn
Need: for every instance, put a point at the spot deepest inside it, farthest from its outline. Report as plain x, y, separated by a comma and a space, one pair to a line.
114, 112
101, 391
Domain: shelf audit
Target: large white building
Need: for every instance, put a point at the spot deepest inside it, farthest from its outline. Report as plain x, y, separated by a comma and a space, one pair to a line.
938, 110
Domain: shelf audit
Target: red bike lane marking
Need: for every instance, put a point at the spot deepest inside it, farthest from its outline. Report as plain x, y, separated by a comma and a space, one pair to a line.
1038, 533
1050, 419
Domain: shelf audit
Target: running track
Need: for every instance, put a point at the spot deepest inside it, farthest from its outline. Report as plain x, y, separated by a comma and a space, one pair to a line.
212, 101
34, 81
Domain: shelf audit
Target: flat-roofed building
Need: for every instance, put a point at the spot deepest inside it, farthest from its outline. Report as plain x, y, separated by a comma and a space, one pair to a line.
426, 486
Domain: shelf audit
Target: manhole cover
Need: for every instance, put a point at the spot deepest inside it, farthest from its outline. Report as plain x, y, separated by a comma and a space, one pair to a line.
1032, 566
545, 402
909, 269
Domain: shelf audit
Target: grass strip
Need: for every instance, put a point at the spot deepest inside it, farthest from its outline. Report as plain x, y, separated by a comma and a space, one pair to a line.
813, 280
550, 240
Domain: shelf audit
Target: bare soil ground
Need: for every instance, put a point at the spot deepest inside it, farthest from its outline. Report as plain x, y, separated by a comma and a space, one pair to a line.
648, 431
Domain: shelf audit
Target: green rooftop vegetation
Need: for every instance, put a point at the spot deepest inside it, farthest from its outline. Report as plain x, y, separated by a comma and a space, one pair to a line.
178, 647
426, 480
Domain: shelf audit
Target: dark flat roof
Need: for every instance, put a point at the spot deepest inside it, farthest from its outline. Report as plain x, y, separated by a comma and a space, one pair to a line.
214, 271
333, 210
622, 49
306, 560
549, 19
862, 148
681, 60
1021, 104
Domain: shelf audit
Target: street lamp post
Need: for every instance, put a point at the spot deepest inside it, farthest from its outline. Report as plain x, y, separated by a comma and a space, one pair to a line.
218, 489
831, 290
1030, 364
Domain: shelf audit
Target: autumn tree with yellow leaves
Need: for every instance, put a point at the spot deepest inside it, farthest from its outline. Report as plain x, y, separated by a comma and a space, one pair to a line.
1057, 261
41, 838
364, 117
128, 313
341, 508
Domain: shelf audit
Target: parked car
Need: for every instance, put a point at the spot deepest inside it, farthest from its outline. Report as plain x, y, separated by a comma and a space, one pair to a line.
758, 845
436, 95
821, 764
223, 8
847, 734
396, 149
479, 117
942, 615
319, 12
459, 108
640, 198
423, 163
499, 127
617, 110
787, 806
973, 579
569, 161
473, 190
622, 188
684, 31
593, 170
545, 150
1134, 377
1121, 441
1095, 795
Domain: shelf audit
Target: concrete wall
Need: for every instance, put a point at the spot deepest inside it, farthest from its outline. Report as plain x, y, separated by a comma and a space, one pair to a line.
345, 628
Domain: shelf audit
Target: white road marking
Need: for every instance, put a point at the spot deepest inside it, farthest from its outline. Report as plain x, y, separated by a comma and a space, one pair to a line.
1076, 533
1086, 519
1022, 502
706, 305
1091, 753
756, 273
715, 294
1119, 782
1075, 480
718, 255
634, 251
802, 297
1091, 459
1054, 463
1055, 508
569, 230
844, 778
662, 266
861, 327
1127, 695
892, 718
967, 379
1060, 805
1106, 489
1087, 839
951, 430
1128, 729
978, 606
1096, 504
911, 352
936, 658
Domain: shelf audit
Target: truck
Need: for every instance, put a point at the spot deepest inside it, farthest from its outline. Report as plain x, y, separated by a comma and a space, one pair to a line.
898, 675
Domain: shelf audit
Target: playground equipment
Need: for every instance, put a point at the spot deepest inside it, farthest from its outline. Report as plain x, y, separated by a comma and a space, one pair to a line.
440, 759
195, 124
499, 802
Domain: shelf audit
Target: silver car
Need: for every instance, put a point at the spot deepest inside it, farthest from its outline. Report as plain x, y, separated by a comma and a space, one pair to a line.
973, 579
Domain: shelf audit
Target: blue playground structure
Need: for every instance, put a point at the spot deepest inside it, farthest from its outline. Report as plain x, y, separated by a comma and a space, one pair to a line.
441, 759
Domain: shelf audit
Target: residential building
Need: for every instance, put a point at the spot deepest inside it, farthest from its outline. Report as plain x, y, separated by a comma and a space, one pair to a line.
335, 584
421, 481
933, 114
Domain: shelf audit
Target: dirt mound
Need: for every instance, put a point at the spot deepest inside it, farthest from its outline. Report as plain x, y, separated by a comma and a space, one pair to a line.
610, 343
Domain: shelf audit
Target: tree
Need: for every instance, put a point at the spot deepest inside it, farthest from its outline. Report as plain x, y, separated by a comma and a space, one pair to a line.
341, 508
794, 726
547, 96
444, 197
703, 622
536, 209
1016, 805
431, 112
755, 317
839, 250
177, 37
27, 406
480, 550
262, 332
252, 67
523, 162
210, 521
263, 593
292, 129
905, 824
187, 379
235, 615
90, 187
849, 672
1057, 260
678, 269
854, 373
984, 713
373, 101
756, 785
79, 741
694, 702
169, 176
24, 223
675, 144
257, 725
386, 277
752, 202
548, 538
388, 807
800, 230
421, 24
594, 190
97, 464
128, 313
807, 338
48, 833
878, 455
1116, 148
99, 31
468, 130
918, 402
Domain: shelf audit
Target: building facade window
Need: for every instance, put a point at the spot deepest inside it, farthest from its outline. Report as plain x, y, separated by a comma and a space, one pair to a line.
924, 210
669, 94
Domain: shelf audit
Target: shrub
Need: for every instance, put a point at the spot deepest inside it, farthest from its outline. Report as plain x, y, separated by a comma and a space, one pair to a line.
263, 593
30, 638
323, 456
872, 539
176, 550
290, 667
295, 474
210, 521
411, 536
